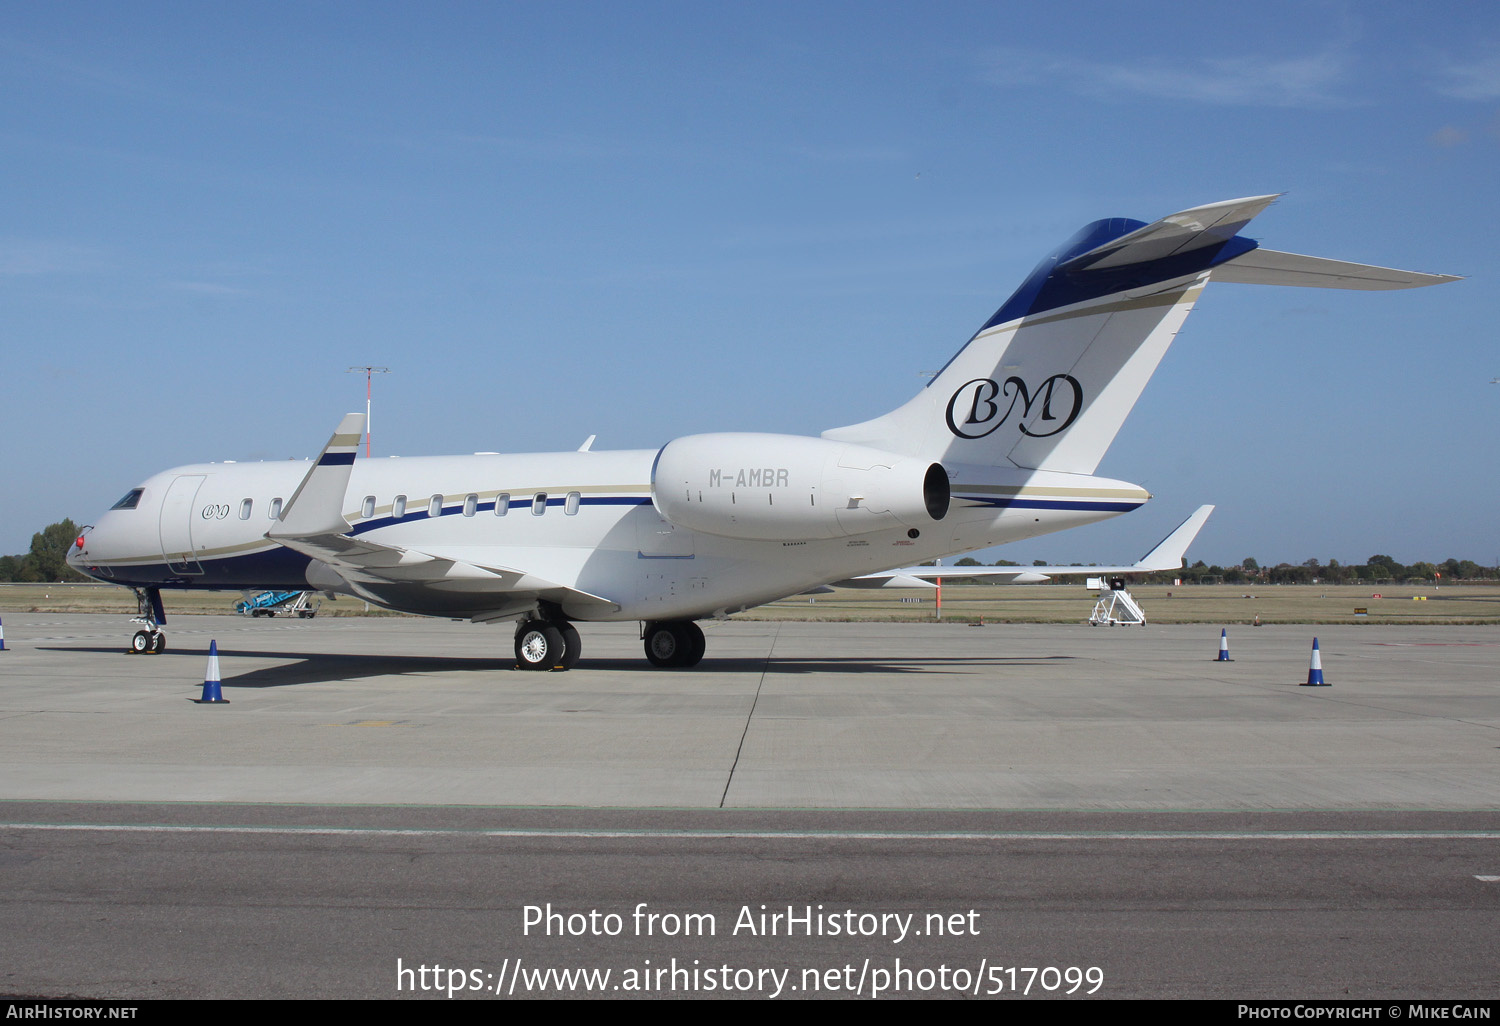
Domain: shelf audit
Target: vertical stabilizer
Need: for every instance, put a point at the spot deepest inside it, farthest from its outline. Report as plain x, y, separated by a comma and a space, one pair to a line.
1047, 382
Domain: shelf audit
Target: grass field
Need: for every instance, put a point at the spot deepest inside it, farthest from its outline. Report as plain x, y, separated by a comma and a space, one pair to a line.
1034, 603
1226, 604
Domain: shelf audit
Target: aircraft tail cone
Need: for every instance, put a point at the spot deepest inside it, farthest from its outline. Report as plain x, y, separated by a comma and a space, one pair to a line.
212, 694
1315, 669
1224, 646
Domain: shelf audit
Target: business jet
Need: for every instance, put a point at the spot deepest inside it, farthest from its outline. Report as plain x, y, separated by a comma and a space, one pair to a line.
1001, 445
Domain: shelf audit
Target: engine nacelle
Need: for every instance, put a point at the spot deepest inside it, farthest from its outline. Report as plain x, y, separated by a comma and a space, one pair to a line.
792, 488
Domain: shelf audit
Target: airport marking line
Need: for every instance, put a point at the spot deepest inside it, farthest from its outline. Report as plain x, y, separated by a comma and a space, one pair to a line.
776, 835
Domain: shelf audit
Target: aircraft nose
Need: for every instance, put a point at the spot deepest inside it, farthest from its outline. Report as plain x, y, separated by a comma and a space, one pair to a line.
78, 552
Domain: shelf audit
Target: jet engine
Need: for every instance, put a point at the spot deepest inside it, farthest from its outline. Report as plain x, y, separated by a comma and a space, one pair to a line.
793, 488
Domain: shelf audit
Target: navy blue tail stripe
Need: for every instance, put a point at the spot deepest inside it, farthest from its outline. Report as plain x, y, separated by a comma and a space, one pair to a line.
1068, 504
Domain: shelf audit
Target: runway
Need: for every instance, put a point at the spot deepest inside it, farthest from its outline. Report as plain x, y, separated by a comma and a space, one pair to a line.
383, 794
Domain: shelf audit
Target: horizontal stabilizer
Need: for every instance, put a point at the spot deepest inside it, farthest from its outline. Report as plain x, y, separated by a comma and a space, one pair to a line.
1271, 267
1172, 236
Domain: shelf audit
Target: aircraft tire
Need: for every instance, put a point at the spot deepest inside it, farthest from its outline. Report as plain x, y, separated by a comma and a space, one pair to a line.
140, 642
674, 643
158, 643
572, 646
539, 645
699, 644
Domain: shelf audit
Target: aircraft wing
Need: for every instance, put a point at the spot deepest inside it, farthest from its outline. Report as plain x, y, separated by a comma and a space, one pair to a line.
1166, 555
313, 523
923, 576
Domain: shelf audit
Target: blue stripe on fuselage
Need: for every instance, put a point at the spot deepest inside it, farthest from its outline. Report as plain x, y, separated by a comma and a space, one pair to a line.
1098, 506
519, 504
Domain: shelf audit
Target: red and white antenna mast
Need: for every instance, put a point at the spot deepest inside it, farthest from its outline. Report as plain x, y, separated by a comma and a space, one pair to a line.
370, 372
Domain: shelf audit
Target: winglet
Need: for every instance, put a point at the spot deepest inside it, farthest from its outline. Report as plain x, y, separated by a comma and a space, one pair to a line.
1168, 554
317, 506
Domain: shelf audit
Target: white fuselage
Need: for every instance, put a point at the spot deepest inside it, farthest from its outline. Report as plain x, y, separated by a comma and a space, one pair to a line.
581, 521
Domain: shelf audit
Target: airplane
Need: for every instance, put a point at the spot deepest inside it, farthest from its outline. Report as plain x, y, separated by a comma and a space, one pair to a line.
999, 446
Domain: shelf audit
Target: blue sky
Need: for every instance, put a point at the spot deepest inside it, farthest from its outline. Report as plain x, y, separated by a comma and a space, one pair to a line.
642, 220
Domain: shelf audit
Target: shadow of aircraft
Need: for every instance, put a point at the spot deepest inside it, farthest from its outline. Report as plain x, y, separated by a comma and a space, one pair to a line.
318, 668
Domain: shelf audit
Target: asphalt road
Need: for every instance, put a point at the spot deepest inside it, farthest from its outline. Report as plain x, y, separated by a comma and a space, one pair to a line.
1117, 812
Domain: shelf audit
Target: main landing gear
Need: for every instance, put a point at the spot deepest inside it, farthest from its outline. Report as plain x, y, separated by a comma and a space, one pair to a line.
555, 644
547, 645
674, 643
150, 640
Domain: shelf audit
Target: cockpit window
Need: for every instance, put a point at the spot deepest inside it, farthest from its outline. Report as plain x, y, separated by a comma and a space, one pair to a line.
130, 500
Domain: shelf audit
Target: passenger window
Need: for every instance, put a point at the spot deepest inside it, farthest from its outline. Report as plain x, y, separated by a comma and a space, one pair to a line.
245, 505
398, 507
502, 504
435, 506
275, 512
539, 504
368, 509
571, 507
471, 504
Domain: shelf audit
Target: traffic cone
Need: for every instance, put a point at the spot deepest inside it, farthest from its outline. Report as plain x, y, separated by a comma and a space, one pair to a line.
1315, 669
212, 695
1224, 646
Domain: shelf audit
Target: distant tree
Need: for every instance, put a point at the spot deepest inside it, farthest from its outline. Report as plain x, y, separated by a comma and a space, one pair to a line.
47, 559
968, 561
1250, 564
1286, 573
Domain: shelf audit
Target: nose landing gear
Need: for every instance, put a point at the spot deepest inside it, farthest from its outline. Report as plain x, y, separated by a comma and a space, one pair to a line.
150, 615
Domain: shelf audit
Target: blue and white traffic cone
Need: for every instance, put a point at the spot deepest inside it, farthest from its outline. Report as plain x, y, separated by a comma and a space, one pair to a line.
212, 695
1315, 669
2, 637
1224, 647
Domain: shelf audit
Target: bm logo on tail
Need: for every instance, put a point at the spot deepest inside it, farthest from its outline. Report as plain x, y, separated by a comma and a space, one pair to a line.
984, 400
